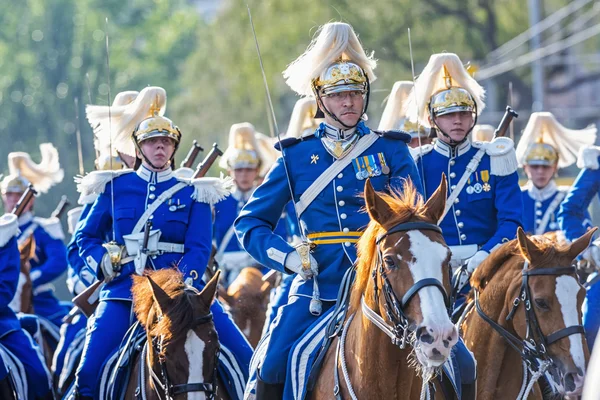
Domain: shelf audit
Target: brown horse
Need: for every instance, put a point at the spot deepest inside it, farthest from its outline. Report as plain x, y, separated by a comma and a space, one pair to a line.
180, 357
528, 288
400, 293
247, 299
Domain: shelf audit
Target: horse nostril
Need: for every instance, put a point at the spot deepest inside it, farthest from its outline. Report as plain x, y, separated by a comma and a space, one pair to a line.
423, 336
569, 382
436, 352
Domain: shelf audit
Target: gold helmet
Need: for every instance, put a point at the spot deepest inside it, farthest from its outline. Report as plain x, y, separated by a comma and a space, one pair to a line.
156, 126
303, 119
24, 171
341, 76
242, 151
546, 142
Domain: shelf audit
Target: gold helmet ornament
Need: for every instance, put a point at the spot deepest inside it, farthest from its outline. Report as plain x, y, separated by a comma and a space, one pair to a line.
445, 86
334, 62
242, 150
23, 171
546, 142
267, 152
303, 121
483, 133
394, 113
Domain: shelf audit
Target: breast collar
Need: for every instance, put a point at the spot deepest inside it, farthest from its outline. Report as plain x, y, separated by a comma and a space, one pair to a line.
154, 177
446, 150
541, 194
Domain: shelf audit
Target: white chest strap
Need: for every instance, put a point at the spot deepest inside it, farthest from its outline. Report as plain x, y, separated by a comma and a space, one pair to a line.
334, 169
550, 212
167, 194
471, 167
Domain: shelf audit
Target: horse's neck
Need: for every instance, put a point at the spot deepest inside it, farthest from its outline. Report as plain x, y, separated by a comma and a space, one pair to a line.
371, 357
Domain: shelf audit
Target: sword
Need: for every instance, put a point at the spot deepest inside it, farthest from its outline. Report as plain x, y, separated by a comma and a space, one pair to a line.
61, 207
304, 248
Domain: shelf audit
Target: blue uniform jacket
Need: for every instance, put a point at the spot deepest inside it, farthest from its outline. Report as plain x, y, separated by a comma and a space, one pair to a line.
10, 266
572, 217
536, 203
336, 211
78, 277
487, 214
181, 220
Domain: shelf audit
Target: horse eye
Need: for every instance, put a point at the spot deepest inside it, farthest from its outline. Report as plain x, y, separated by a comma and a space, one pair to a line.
389, 262
542, 304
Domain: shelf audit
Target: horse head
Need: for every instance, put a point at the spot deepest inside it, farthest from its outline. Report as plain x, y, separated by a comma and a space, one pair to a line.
403, 270
183, 344
542, 302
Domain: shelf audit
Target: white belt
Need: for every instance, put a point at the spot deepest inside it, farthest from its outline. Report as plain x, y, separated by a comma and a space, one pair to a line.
161, 247
460, 254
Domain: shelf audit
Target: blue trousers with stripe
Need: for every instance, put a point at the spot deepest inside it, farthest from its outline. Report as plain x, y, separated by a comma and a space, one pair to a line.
107, 327
68, 331
279, 299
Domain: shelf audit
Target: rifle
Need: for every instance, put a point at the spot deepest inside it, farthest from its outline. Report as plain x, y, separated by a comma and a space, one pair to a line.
208, 161
191, 156
24, 201
61, 207
509, 115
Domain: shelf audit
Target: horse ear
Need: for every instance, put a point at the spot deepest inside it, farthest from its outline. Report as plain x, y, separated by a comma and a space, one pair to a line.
377, 208
207, 295
437, 202
527, 247
161, 298
582, 243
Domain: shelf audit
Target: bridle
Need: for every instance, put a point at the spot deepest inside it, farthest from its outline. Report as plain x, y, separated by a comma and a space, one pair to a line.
533, 349
163, 382
394, 308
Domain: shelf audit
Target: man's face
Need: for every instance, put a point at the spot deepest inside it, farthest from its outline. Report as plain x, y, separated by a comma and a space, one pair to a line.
540, 175
10, 200
346, 106
244, 178
158, 151
456, 125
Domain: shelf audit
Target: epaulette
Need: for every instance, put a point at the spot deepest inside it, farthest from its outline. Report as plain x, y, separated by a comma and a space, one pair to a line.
9, 228
184, 172
588, 157
287, 142
209, 190
503, 158
418, 152
52, 227
395, 135
95, 182
87, 199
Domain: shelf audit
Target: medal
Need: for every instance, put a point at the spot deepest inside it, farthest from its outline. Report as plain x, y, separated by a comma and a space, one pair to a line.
359, 176
553, 225
486, 187
385, 169
365, 174
469, 189
485, 177
173, 208
477, 188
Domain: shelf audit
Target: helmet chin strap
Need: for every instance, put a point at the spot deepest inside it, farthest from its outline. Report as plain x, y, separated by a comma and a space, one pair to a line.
334, 117
451, 141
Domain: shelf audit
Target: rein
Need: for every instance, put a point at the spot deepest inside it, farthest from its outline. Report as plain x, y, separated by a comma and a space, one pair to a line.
163, 381
533, 349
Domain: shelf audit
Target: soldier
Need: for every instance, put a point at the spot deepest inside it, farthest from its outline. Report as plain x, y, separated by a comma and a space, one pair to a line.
394, 115
97, 115
484, 206
180, 212
337, 71
50, 259
545, 147
572, 220
243, 160
12, 337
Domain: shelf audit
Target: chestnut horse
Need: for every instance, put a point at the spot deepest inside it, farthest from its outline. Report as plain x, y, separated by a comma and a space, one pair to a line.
247, 299
180, 357
526, 319
397, 333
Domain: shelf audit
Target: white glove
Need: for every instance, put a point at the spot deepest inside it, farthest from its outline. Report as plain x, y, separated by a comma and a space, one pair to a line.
293, 263
476, 260
107, 268
592, 254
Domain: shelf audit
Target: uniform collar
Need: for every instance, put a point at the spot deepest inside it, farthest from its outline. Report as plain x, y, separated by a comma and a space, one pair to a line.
242, 196
326, 130
25, 218
541, 194
452, 151
154, 177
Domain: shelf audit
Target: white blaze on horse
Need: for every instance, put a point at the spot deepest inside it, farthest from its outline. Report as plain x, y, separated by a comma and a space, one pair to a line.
397, 333
525, 323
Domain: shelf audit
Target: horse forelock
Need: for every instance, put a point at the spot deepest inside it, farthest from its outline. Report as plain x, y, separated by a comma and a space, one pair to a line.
406, 206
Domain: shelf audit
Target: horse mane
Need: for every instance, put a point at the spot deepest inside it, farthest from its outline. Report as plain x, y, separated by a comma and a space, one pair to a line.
178, 316
407, 205
501, 258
